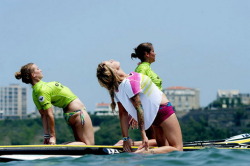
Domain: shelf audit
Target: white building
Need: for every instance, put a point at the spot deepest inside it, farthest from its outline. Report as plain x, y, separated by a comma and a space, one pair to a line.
104, 109
230, 98
13, 102
183, 99
245, 98
227, 93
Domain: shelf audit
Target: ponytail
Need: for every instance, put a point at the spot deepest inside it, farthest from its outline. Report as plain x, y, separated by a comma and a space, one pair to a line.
25, 73
141, 50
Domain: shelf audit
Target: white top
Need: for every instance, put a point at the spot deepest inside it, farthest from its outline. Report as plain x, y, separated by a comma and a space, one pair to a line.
149, 93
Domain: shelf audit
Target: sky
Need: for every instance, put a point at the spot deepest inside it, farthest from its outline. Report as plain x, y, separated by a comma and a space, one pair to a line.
203, 44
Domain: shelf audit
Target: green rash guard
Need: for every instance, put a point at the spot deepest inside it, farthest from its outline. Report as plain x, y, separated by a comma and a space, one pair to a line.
46, 94
145, 69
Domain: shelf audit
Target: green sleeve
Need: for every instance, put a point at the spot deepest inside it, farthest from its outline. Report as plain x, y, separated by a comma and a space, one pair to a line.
42, 100
35, 99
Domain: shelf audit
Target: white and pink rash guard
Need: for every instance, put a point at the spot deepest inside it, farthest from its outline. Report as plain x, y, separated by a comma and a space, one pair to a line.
150, 96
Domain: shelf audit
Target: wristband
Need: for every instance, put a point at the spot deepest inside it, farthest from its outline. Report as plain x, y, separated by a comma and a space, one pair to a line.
125, 138
46, 136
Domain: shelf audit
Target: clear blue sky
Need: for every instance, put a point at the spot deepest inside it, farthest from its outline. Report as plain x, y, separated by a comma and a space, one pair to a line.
202, 44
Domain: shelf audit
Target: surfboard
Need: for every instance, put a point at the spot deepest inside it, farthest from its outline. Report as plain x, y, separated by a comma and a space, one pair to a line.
32, 152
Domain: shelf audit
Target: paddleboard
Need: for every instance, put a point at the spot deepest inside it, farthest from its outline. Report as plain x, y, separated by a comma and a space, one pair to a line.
33, 152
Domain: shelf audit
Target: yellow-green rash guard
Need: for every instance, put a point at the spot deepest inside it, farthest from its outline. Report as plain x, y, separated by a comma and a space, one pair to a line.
46, 94
145, 69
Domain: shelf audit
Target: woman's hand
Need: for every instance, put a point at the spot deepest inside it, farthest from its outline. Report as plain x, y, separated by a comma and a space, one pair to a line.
145, 143
127, 146
52, 140
46, 141
46, 138
132, 122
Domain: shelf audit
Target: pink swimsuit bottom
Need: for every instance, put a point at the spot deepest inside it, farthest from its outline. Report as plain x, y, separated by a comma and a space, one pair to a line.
164, 112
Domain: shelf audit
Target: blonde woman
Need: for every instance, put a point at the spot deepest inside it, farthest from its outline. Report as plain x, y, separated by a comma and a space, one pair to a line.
46, 94
138, 96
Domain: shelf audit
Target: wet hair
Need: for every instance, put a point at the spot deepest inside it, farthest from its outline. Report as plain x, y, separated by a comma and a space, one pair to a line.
25, 73
108, 79
140, 51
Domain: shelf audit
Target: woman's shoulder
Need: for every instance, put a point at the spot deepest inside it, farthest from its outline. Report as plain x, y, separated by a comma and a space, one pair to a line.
42, 86
143, 68
144, 65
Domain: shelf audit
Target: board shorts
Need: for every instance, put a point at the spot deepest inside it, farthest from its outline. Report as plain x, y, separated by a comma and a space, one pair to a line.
69, 114
164, 112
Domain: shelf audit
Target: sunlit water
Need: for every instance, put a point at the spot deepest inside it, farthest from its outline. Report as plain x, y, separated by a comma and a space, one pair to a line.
213, 157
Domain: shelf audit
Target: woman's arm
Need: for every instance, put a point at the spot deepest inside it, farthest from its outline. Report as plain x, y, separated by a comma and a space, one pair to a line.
123, 115
136, 101
48, 125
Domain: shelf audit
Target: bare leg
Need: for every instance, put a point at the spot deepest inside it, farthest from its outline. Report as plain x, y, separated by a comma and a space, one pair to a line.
82, 133
160, 138
168, 136
172, 132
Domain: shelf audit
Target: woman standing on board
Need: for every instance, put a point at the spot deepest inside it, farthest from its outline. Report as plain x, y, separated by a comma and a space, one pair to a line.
137, 96
46, 94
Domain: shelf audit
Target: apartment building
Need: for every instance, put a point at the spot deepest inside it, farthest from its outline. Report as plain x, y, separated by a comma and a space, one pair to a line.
13, 102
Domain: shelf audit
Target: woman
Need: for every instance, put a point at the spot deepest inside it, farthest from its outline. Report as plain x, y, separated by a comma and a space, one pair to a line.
137, 96
145, 52
46, 94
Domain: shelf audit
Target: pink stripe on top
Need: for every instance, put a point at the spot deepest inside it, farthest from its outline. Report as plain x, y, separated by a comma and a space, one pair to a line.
134, 80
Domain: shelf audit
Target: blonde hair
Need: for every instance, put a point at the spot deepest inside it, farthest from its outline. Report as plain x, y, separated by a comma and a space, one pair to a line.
25, 73
108, 79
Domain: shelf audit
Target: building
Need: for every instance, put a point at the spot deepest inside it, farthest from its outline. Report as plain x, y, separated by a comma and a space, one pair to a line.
104, 109
183, 99
13, 102
229, 98
245, 98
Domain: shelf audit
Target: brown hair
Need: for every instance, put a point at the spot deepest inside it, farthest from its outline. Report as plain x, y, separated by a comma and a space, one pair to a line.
109, 80
25, 73
140, 51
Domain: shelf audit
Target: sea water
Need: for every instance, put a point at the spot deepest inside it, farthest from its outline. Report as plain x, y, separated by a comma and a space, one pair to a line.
204, 157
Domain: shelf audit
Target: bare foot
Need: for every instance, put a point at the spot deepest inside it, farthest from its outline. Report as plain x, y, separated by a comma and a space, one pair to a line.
119, 143
143, 150
75, 143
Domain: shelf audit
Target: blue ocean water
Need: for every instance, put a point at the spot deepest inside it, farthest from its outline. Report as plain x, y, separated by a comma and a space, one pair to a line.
204, 157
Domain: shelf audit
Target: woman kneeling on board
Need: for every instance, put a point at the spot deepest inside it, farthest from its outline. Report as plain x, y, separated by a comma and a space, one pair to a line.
137, 96
46, 94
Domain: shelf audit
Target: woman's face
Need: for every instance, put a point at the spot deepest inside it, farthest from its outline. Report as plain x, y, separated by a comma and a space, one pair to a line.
37, 73
113, 64
150, 57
